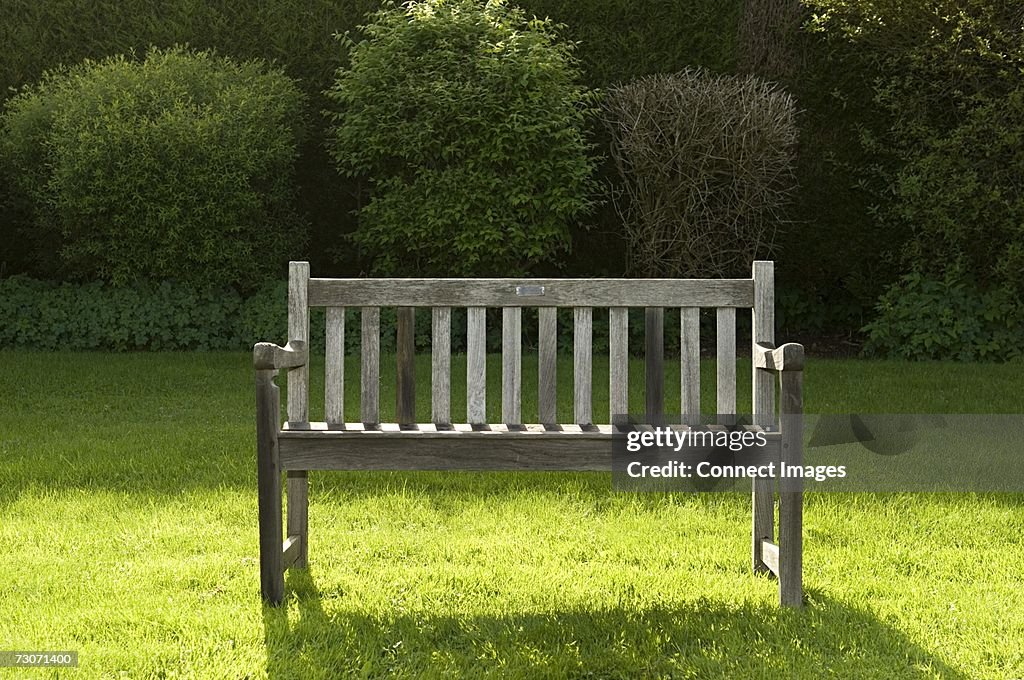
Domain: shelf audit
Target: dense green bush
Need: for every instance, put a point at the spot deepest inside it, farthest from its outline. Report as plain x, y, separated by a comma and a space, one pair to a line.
467, 120
178, 166
943, 157
949, 319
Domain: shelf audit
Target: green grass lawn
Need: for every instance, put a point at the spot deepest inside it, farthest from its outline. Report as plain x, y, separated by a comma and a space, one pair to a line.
128, 526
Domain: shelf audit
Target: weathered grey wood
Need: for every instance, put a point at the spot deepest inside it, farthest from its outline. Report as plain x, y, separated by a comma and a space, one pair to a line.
583, 349
486, 430
547, 365
476, 365
291, 550
534, 448
511, 365
654, 363
770, 556
763, 333
725, 364
498, 451
314, 429
791, 491
301, 445
618, 362
298, 398
298, 515
268, 356
762, 520
369, 402
441, 365
556, 292
763, 400
689, 364
298, 330
334, 367
405, 366
789, 357
268, 476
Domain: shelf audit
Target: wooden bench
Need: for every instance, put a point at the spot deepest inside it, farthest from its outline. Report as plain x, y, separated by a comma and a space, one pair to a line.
299, 445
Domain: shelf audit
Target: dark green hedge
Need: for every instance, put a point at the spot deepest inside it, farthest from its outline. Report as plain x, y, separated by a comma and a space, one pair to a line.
169, 316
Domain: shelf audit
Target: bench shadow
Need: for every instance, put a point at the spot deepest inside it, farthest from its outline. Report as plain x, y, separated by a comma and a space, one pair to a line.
703, 639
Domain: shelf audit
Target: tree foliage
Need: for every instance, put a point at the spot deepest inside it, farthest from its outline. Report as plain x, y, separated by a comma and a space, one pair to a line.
467, 121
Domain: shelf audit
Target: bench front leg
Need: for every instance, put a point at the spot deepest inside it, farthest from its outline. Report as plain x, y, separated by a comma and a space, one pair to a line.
791, 495
268, 473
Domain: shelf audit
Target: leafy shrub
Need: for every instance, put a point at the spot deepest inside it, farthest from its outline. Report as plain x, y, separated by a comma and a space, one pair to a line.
176, 316
944, 157
949, 318
466, 119
46, 316
707, 166
178, 166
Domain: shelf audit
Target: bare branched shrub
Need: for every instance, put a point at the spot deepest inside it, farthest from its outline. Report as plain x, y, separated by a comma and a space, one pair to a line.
707, 167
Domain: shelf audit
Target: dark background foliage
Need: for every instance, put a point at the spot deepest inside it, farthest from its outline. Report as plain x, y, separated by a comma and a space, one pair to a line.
884, 106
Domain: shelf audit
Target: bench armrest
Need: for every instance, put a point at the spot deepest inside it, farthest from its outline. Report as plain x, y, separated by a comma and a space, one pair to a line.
789, 357
268, 356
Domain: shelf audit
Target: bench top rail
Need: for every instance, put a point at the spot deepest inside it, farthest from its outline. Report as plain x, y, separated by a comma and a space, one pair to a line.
531, 292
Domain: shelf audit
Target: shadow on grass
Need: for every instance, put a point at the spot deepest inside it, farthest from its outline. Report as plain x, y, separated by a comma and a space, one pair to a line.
701, 639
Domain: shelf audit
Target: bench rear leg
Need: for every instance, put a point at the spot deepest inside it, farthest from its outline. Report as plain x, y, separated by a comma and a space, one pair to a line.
763, 524
268, 473
298, 514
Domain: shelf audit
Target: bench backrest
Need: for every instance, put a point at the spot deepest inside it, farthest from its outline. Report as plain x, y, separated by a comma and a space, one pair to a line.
512, 295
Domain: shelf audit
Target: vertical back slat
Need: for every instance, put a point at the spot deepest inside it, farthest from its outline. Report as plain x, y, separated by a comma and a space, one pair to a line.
405, 366
547, 365
618, 362
725, 364
369, 403
298, 329
298, 403
763, 331
476, 365
654, 362
583, 322
511, 365
440, 366
334, 367
689, 364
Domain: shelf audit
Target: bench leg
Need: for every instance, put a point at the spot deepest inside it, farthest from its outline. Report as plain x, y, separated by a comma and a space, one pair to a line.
298, 514
763, 521
268, 474
791, 592
791, 493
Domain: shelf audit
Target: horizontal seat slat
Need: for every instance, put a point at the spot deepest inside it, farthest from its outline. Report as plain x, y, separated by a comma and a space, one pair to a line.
500, 448
321, 428
530, 292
